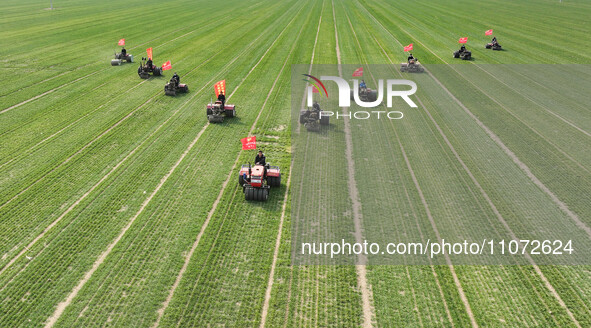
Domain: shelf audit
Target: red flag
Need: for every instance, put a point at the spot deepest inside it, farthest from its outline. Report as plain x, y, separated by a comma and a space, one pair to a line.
149, 51
166, 66
489, 32
121, 42
358, 72
315, 90
220, 87
463, 40
249, 143
408, 48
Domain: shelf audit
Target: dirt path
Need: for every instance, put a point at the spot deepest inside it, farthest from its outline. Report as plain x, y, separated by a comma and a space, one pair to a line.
366, 293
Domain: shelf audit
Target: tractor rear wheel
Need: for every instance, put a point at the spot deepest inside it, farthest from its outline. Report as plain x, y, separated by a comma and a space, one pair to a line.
157, 71
230, 112
274, 181
261, 194
240, 180
264, 194
248, 193
324, 120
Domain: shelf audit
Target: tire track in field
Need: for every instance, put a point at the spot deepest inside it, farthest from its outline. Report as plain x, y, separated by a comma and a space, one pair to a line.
267, 300
534, 101
225, 183
143, 142
366, 293
45, 80
28, 151
456, 280
63, 305
546, 282
46, 93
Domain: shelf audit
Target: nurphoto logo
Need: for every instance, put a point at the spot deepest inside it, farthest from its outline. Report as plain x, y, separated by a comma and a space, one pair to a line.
366, 98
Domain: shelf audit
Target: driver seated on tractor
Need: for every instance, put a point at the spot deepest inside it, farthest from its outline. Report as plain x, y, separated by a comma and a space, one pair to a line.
123, 52
362, 87
494, 40
149, 63
260, 158
462, 48
411, 59
175, 79
316, 106
222, 99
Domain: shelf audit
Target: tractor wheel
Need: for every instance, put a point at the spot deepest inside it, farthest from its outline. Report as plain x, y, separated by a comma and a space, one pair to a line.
157, 71
230, 112
209, 112
130, 58
274, 181
324, 120
248, 193
240, 179
264, 195
115, 62
302, 116
373, 95
185, 88
352, 95
456, 54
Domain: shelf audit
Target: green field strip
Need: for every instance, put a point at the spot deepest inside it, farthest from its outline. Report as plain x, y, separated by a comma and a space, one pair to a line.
462, 92
189, 113
197, 171
88, 145
172, 101
200, 111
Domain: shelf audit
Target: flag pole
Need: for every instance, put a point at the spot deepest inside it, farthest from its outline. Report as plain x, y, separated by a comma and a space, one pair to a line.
51, 4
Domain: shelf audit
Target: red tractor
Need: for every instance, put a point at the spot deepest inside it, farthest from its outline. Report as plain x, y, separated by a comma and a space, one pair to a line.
217, 111
257, 180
